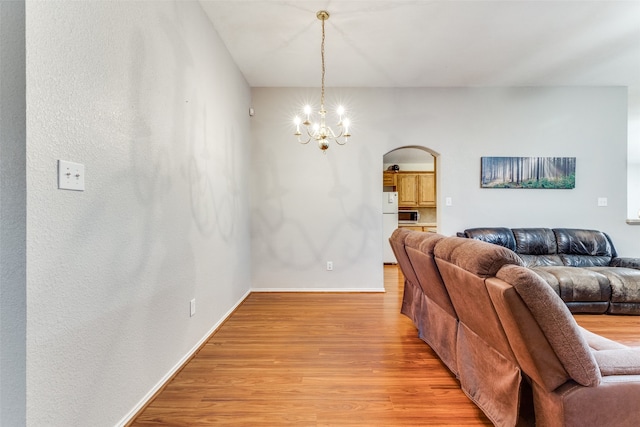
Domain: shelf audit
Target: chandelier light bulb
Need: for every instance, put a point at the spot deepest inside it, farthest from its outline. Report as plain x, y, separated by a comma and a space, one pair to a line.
317, 129
296, 121
345, 124
307, 114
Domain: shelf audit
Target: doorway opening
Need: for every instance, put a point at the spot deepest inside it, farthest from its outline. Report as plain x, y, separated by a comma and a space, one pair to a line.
409, 193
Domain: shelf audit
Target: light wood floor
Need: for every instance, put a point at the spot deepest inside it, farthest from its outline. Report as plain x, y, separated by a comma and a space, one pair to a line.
326, 359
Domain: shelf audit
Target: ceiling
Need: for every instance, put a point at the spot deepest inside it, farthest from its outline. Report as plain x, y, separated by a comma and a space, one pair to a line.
440, 43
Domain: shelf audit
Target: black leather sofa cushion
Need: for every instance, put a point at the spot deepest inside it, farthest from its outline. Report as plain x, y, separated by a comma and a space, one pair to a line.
578, 285
585, 260
625, 288
625, 262
535, 241
584, 248
501, 236
537, 246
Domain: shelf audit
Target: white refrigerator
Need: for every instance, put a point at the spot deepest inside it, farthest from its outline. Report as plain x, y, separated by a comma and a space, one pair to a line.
389, 224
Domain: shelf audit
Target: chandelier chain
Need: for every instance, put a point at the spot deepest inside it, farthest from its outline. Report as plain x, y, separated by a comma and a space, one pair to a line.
319, 131
323, 67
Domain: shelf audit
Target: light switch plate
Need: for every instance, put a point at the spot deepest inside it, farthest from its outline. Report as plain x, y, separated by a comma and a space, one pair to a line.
602, 201
70, 176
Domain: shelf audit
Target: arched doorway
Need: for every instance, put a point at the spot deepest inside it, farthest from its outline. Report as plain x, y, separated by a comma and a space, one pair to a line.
409, 177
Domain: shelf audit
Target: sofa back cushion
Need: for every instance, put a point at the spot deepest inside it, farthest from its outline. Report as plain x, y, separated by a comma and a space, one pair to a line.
420, 247
497, 235
529, 344
584, 248
536, 246
437, 320
535, 241
464, 264
487, 367
397, 242
475, 256
556, 322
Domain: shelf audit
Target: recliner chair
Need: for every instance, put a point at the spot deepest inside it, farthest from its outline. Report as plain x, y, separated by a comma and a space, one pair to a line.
574, 384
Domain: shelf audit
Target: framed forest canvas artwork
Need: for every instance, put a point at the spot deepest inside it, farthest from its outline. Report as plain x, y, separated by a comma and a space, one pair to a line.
528, 172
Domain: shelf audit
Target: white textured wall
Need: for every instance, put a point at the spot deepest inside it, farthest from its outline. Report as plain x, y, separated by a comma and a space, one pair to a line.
12, 215
146, 96
633, 176
308, 207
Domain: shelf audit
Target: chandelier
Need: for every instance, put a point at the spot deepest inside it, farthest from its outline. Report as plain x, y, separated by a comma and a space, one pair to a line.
318, 130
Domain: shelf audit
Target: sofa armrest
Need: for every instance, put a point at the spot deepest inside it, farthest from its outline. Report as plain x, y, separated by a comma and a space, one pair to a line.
626, 262
624, 361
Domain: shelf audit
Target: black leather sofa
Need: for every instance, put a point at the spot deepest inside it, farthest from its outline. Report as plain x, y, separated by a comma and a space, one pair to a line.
581, 266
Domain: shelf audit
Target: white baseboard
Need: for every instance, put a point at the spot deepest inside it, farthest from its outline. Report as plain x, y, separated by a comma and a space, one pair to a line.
127, 418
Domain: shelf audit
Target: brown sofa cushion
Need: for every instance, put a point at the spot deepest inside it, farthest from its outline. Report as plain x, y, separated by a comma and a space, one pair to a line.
426, 242
420, 247
556, 322
487, 367
624, 361
397, 242
597, 342
475, 256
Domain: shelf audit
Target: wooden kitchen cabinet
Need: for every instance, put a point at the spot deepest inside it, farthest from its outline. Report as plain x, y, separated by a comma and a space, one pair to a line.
412, 227
389, 179
427, 189
416, 189
419, 228
407, 190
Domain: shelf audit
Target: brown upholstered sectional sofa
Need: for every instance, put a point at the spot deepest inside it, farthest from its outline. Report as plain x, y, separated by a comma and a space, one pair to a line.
510, 339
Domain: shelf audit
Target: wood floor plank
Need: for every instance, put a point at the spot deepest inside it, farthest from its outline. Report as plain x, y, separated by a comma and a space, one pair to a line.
315, 359
325, 359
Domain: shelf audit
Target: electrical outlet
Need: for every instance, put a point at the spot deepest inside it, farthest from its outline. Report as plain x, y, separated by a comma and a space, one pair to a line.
329, 265
192, 307
602, 201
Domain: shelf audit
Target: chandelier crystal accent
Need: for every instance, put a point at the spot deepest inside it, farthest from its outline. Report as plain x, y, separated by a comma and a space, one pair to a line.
318, 130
